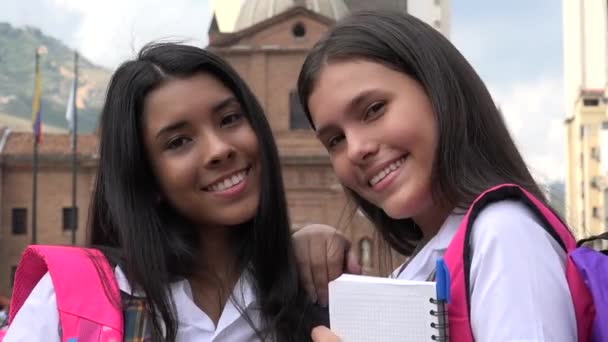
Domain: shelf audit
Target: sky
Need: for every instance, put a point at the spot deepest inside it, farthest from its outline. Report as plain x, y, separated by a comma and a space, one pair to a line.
515, 46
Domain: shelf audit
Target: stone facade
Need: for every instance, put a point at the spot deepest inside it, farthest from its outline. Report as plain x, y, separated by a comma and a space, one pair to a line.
54, 193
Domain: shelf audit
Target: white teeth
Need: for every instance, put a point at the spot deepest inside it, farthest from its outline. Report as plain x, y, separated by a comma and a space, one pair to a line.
228, 182
387, 170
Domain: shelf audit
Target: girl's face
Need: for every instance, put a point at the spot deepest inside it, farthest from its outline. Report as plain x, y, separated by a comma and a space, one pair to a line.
380, 130
202, 150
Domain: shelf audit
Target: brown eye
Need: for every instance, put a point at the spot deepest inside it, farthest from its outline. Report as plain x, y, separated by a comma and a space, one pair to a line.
177, 143
374, 110
231, 119
332, 142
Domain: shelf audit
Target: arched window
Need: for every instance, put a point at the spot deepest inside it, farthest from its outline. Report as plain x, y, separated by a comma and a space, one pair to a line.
365, 252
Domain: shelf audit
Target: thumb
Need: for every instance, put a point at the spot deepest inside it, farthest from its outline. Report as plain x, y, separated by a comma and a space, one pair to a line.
322, 334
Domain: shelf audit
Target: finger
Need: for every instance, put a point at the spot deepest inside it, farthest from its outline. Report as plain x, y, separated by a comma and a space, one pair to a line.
305, 271
323, 334
336, 256
319, 272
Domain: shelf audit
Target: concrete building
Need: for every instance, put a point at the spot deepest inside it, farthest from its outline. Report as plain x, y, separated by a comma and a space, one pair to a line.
585, 71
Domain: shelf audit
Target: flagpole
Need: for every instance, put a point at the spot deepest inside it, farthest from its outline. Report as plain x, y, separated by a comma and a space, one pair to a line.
74, 138
35, 162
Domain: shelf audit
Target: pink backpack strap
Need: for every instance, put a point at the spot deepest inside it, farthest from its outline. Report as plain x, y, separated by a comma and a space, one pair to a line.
88, 298
459, 255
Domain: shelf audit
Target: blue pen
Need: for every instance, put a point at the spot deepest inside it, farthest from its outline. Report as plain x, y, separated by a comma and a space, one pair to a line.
442, 279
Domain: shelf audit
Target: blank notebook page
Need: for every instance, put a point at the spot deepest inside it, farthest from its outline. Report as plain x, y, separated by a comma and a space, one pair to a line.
374, 309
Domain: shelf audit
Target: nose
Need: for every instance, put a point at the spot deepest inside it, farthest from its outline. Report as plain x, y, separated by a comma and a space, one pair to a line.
361, 148
217, 151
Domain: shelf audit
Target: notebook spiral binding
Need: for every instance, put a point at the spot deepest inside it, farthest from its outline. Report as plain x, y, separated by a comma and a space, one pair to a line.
442, 326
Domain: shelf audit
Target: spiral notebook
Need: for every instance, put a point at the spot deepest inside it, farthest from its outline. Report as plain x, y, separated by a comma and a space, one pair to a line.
374, 309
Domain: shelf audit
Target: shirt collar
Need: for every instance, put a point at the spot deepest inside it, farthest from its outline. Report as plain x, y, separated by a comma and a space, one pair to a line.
422, 264
442, 239
243, 298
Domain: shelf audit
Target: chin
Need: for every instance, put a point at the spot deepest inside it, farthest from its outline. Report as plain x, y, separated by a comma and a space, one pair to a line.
398, 214
399, 211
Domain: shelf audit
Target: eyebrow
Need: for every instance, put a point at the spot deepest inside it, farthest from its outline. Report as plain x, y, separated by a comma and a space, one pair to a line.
216, 107
172, 127
356, 101
223, 104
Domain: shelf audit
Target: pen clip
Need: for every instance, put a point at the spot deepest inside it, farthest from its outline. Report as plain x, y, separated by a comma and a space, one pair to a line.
442, 278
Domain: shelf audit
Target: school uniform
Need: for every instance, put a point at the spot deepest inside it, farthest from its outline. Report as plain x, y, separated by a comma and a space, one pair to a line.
518, 287
38, 319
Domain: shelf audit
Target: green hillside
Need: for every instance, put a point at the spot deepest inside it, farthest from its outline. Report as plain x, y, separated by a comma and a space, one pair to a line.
17, 50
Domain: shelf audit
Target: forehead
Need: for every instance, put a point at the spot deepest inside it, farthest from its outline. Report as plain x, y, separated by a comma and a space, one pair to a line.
339, 83
199, 90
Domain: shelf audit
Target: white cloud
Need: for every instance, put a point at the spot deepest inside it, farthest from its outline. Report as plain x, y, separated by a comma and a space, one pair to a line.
113, 30
525, 79
532, 111
108, 32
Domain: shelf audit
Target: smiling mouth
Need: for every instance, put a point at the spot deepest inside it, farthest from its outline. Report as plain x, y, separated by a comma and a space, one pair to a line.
386, 171
228, 182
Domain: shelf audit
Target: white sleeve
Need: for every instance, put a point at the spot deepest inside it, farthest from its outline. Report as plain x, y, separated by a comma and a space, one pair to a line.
38, 318
519, 290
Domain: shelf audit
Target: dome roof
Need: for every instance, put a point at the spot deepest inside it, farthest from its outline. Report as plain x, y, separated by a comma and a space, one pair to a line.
255, 11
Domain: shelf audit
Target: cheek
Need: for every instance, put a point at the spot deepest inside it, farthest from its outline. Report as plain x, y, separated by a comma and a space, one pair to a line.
249, 142
344, 172
176, 174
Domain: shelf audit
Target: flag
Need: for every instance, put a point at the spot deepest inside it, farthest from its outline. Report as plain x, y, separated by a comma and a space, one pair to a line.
36, 108
70, 111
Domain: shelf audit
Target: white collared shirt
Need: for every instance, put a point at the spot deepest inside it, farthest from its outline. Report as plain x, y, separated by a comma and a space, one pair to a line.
519, 290
38, 319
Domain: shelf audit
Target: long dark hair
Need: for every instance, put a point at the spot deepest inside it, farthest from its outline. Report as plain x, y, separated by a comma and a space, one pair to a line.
154, 245
475, 150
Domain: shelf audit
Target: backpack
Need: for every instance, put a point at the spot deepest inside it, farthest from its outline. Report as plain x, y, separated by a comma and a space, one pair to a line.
593, 267
586, 269
88, 310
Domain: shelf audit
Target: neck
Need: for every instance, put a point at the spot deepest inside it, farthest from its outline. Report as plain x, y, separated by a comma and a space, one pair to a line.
431, 220
216, 256
217, 271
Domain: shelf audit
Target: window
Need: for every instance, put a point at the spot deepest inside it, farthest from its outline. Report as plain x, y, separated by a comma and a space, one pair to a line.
595, 154
582, 133
365, 252
67, 218
13, 271
595, 212
591, 102
298, 30
19, 222
297, 118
